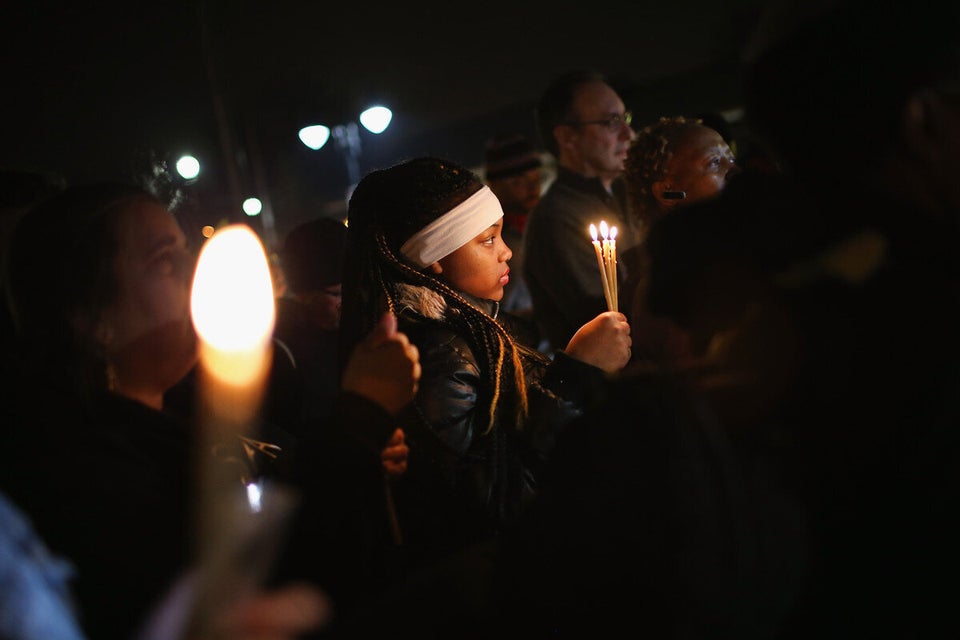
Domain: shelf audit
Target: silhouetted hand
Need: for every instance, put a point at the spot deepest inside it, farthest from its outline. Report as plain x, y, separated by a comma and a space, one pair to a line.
603, 342
384, 367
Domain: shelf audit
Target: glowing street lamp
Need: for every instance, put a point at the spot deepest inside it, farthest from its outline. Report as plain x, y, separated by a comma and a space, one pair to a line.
188, 167
376, 119
252, 206
315, 136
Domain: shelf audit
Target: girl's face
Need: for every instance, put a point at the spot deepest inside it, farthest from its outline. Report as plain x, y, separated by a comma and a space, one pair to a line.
478, 268
147, 332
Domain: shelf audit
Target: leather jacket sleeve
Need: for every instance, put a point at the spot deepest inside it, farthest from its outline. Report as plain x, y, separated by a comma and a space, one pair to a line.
449, 385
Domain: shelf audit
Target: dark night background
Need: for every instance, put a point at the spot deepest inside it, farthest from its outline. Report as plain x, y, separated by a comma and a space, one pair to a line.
107, 91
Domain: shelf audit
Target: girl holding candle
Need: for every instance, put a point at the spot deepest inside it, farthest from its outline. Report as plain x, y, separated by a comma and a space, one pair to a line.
425, 241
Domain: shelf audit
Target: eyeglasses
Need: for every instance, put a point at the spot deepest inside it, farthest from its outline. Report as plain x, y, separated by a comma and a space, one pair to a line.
612, 123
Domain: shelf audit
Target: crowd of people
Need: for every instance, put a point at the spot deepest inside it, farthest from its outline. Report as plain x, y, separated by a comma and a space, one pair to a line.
761, 442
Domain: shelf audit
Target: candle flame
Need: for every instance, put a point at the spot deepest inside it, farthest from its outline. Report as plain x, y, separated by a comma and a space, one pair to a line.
613, 233
593, 232
604, 231
232, 305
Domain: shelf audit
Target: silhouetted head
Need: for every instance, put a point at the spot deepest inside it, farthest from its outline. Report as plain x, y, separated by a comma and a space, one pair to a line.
512, 167
312, 263
98, 279
841, 88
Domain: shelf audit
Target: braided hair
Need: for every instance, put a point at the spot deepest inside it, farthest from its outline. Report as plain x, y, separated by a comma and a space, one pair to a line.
389, 206
648, 159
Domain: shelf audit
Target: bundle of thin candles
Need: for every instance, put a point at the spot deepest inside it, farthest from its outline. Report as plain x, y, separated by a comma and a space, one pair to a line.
607, 261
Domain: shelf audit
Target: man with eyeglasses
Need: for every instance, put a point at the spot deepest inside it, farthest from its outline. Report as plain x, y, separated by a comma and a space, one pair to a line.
585, 125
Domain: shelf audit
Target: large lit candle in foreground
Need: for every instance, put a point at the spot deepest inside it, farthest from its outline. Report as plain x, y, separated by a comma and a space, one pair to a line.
233, 312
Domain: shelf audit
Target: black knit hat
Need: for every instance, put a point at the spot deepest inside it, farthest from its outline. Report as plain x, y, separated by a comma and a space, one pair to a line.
312, 256
508, 155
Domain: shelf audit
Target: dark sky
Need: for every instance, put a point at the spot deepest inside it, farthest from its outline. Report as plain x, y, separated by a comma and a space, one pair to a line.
100, 92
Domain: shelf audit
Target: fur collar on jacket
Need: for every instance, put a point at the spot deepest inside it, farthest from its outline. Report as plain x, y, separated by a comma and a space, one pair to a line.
430, 304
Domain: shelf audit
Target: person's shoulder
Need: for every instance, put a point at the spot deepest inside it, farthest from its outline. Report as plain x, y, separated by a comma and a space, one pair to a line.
558, 193
556, 206
542, 209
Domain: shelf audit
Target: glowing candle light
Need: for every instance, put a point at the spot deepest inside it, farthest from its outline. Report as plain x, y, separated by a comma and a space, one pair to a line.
233, 312
602, 265
613, 269
609, 265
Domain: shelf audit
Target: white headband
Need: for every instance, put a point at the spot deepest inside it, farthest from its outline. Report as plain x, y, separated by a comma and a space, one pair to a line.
453, 229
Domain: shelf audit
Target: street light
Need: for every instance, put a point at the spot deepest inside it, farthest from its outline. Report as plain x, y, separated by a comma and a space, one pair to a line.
376, 119
346, 137
252, 206
315, 136
188, 167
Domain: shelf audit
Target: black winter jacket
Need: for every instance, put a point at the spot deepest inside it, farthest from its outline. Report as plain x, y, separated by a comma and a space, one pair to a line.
464, 483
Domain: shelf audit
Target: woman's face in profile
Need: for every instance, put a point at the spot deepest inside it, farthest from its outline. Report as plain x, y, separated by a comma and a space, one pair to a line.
700, 165
147, 331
